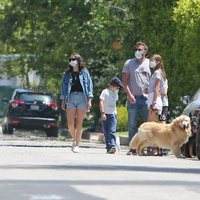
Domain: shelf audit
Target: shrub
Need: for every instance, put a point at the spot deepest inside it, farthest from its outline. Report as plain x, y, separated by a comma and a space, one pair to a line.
122, 113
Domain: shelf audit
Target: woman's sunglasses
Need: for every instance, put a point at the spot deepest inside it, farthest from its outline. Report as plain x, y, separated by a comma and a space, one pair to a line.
138, 49
72, 59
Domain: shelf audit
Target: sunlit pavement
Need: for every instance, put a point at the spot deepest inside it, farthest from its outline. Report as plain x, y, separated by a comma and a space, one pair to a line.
50, 171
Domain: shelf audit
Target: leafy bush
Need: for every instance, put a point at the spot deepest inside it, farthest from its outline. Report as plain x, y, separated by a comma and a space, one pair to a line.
122, 124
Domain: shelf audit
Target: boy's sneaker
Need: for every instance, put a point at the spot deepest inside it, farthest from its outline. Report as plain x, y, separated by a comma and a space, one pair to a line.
76, 149
112, 150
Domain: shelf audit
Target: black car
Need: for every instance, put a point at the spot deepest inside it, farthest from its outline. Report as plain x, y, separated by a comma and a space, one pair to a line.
192, 147
29, 109
5, 93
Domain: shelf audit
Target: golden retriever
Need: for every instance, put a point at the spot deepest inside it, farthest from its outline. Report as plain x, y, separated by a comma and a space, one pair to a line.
171, 136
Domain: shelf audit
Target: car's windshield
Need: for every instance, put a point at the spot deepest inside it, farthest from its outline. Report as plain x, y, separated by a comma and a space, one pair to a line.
196, 96
35, 97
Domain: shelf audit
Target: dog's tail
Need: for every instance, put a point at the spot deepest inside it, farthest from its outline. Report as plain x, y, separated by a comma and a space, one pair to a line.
134, 141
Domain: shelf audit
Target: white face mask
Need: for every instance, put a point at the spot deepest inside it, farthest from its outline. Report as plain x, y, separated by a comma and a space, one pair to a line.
152, 64
73, 63
139, 54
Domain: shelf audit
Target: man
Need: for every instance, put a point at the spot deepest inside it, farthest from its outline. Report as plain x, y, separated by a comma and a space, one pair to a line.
135, 78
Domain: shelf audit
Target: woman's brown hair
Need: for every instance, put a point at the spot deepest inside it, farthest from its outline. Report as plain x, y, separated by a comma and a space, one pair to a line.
79, 59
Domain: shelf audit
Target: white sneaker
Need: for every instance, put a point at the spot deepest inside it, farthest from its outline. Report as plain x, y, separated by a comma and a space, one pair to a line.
76, 149
73, 145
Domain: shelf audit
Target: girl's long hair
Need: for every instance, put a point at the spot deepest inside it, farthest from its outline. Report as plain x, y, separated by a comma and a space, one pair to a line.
160, 66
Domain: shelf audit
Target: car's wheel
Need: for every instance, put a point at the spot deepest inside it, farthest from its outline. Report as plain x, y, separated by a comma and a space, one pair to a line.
52, 132
7, 129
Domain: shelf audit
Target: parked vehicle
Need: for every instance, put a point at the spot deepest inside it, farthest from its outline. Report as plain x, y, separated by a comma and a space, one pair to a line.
5, 93
192, 147
30, 109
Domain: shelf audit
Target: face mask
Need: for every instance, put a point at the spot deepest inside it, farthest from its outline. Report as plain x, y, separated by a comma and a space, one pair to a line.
152, 64
73, 63
139, 54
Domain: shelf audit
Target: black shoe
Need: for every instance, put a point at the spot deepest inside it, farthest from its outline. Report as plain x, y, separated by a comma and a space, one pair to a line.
132, 152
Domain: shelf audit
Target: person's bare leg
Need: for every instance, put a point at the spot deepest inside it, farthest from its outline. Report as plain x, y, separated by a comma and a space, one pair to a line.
71, 118
79, 123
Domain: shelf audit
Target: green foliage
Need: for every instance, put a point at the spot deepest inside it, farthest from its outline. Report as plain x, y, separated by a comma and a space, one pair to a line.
186, 70
122, 124
49, 30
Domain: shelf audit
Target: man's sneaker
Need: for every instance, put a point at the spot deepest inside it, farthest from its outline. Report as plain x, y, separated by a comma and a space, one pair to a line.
76, 149
112, 150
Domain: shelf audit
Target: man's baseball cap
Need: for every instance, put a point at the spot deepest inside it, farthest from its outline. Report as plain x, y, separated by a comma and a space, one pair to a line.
116, 81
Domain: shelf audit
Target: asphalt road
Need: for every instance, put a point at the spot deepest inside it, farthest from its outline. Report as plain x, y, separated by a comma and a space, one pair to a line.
41, 169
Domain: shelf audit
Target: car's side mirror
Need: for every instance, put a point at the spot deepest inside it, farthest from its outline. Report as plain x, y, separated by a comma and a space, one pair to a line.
186, 100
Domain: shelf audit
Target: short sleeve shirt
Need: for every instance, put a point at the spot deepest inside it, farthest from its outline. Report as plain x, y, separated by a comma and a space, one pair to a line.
110, 98
139, 75
156, 75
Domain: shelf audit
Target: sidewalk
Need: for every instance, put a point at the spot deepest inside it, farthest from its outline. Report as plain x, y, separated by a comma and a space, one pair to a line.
93, 140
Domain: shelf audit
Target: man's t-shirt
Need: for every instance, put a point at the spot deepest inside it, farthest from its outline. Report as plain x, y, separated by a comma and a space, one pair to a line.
139, 75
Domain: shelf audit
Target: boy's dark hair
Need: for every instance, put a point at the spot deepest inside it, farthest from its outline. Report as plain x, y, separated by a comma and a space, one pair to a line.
115, 81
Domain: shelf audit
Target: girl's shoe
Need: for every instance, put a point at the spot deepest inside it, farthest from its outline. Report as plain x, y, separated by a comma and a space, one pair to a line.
76, 149
73, 145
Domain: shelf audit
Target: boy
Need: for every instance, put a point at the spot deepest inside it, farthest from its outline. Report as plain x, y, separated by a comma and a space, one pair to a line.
108, 110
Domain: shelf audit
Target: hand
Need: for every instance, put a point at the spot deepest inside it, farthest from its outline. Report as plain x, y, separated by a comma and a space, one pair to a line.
103, 117
153, 106
63, 105
146, 90
89, 104
131, 99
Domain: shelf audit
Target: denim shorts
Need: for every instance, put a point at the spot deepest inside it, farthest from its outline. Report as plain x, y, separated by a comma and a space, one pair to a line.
77, 101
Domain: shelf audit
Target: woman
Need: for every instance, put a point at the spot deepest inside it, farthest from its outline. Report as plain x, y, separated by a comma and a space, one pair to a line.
76, 95
156, 87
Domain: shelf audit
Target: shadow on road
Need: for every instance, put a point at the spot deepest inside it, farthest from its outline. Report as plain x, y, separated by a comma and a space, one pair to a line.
82, 167
41, 190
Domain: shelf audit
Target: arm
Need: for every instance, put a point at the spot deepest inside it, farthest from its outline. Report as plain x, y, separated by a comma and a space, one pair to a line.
90, 89
101, 108
156, 92
64, 91
89, 85
125, 80
164, 92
